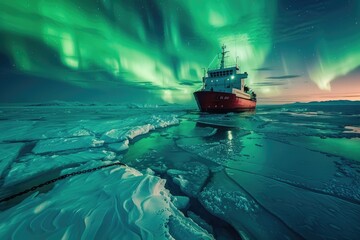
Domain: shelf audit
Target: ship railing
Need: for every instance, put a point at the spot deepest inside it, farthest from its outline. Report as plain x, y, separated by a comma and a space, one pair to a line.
217, 67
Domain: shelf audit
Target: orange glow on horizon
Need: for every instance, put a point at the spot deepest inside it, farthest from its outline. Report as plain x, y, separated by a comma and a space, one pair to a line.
341, 89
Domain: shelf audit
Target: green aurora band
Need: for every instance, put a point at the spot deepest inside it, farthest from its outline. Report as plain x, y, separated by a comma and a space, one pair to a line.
161, 51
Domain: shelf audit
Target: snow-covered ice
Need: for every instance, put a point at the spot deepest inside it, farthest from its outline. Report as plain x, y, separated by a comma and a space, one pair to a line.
283, 172
191, 178
9, 152
117, 203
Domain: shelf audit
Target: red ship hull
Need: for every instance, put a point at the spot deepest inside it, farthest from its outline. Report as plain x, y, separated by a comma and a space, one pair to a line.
222, 102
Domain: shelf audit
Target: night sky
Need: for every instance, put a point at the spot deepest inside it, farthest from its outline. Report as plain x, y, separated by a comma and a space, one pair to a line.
154, 51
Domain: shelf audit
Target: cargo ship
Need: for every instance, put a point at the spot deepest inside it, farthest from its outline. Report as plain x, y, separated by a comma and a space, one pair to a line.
224, 90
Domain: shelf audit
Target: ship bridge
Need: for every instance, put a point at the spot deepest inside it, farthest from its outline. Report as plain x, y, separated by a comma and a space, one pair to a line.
224, 79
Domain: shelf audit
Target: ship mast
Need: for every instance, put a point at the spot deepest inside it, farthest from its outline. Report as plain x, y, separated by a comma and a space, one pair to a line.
223, 56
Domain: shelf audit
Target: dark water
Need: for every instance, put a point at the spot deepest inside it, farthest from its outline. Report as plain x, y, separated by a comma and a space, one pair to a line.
297, 168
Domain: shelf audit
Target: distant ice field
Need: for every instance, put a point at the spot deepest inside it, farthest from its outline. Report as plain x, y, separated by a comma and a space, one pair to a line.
279, 172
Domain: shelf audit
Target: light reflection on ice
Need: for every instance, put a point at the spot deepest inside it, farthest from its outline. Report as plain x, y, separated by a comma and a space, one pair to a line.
230, 136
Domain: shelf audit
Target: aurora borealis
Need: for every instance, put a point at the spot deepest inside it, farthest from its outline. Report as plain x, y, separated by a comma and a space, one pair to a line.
155, 51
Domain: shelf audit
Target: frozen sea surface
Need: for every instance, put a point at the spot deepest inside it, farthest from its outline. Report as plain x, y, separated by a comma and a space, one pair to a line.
284, 172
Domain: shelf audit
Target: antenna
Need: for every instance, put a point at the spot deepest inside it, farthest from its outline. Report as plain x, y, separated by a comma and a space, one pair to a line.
237, 67
204, 71
223, 53
236, 49
203, 78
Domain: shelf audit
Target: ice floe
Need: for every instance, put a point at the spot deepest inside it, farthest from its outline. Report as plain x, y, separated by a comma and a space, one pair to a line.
107, 204
32, 165
271, 174
61, 144
191, 178
9, 152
